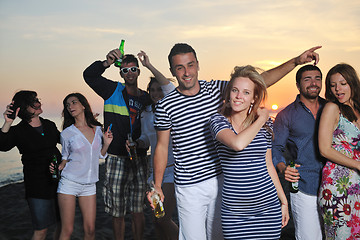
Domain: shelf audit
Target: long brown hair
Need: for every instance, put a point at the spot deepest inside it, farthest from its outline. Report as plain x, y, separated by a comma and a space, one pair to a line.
351, 77
260, 93
89, 116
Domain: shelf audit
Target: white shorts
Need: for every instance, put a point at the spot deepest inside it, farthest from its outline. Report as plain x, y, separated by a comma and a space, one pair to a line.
69, 187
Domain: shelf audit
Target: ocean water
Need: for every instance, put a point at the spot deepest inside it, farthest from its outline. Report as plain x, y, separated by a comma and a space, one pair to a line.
10, 167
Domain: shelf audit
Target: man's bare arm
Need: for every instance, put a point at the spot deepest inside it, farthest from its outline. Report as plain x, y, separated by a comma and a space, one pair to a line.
274, 75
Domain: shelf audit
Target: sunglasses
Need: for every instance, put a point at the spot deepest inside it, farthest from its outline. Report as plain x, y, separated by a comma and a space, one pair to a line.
126, 70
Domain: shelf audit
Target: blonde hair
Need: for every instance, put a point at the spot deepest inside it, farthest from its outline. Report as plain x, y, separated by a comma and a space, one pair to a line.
260, 93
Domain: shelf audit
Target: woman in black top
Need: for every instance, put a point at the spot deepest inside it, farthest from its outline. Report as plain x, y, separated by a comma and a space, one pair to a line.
36, 139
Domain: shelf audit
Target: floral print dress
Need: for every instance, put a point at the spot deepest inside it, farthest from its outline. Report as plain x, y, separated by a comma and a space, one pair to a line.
339, 194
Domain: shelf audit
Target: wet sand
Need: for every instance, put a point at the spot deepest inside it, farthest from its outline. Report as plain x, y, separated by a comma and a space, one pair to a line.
15, 220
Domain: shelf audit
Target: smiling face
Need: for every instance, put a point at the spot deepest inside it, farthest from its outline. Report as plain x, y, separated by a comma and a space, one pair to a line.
155, 92
74, 106
241, 94
340, 88
130, 77
185, 68
310, 84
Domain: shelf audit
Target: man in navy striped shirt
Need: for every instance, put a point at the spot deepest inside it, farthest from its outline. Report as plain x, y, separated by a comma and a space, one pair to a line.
184, 113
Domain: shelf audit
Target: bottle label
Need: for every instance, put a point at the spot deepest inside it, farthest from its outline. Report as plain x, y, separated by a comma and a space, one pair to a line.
158, 206
294, 185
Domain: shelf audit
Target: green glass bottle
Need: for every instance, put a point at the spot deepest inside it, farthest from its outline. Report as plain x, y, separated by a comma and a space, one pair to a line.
55, 173
118, 62
294, 186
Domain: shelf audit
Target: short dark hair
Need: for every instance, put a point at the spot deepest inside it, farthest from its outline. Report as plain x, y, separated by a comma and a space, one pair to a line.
129, 58
24, 99
180, 48
306, 68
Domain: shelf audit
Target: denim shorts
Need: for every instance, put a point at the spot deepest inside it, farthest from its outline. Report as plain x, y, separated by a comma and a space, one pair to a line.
44, 212
67, 186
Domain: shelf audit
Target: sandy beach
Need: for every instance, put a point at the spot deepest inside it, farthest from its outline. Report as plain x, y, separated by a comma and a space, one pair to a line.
15, 220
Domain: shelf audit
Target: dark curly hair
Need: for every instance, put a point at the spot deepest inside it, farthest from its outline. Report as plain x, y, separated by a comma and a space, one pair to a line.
129, 58
24, 99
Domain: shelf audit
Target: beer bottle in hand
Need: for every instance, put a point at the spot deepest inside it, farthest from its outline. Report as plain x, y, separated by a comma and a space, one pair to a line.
132, 146
55, 173
158, 205
294, 187
118, 62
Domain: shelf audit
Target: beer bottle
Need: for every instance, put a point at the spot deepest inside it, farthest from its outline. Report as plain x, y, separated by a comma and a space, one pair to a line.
55, 173
132, 146
294, 186
159, 211
118, 62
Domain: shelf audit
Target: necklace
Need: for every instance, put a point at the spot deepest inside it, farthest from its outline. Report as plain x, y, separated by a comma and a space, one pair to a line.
236, 127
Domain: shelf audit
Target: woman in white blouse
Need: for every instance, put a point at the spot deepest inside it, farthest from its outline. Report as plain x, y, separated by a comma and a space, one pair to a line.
83, 143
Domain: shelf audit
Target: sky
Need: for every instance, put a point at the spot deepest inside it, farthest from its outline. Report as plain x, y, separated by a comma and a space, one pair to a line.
46, 45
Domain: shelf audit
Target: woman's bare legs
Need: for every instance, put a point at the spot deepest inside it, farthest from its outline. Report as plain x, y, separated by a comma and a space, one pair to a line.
67, 204
88, 210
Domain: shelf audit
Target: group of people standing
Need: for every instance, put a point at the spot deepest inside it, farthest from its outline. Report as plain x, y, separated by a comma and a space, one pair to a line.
83, 143
214, 150
322, 136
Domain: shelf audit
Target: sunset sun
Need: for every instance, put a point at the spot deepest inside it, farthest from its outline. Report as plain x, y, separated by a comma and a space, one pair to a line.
274, 107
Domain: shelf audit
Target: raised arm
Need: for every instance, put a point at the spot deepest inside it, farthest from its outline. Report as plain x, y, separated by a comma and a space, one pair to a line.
328, 122
111, 57
273, 75
7, 137
145, 61
8, 121
107, 139
93, 75
241, 140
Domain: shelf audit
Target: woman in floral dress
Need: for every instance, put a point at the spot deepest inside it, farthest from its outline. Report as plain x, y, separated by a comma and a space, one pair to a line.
339, 142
